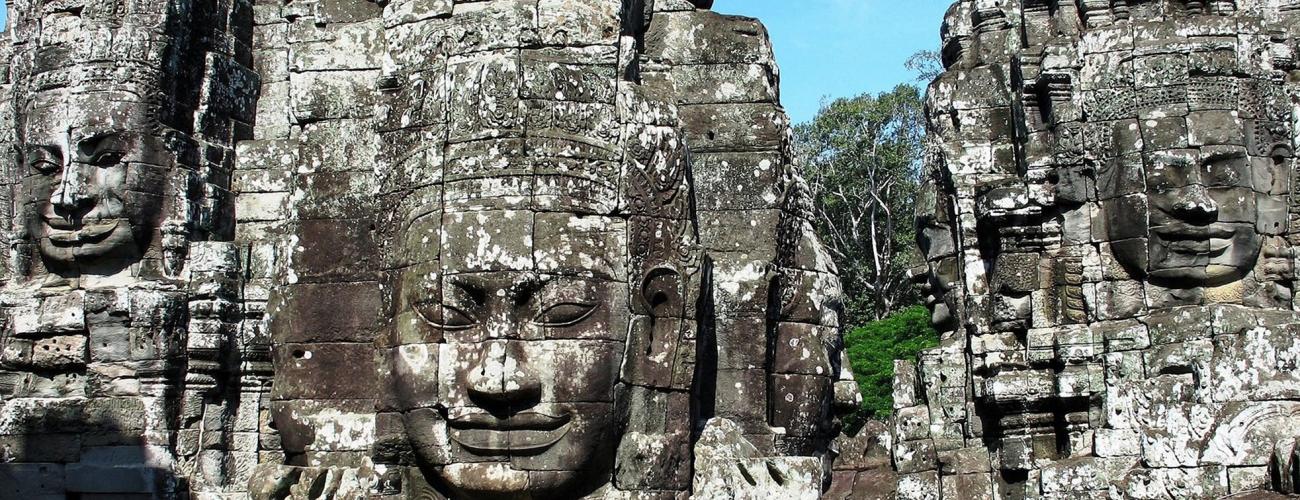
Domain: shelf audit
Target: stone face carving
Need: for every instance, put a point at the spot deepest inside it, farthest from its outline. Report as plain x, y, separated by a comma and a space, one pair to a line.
1118, 178
81, 210
939, 276
120, 305
511, 322
509, 369
1204, 223
106, 146
525, 213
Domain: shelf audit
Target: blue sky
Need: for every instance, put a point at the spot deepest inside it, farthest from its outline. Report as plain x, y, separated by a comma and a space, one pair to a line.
841, 48
838, 48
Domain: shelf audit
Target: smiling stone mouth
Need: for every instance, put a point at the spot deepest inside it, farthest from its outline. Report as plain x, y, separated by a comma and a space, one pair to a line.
63, 232
521, 433
1210, 240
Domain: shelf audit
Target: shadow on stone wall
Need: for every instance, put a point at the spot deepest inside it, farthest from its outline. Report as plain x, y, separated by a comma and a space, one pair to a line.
113, 447
86, 449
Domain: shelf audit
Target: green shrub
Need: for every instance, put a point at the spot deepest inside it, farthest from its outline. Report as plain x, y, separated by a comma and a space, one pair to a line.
872, 350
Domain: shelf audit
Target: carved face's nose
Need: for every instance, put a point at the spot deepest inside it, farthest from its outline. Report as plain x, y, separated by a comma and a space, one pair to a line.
72, 195
1194, 204
502, 381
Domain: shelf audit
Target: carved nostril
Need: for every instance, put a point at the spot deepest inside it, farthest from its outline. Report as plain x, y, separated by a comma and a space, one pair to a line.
506, 397
501, 384
1196, 201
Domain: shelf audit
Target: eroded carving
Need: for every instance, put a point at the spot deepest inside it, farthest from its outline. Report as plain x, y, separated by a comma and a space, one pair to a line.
1120, 185
121, 300
561, 315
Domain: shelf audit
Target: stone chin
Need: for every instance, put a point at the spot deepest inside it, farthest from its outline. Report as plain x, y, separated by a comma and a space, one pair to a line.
512, 457
501, 481
941, 315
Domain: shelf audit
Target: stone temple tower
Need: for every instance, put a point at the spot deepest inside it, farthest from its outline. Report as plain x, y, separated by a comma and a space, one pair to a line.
1111, 244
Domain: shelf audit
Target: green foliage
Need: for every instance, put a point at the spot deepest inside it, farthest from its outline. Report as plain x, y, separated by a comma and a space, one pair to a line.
862, 160
927, 64
874, 347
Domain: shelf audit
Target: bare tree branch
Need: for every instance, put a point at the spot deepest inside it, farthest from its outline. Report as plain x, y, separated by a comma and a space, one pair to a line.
862, 156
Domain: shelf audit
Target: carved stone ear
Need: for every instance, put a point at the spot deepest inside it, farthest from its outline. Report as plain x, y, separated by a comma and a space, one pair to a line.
656, 332
14, 153
661, 294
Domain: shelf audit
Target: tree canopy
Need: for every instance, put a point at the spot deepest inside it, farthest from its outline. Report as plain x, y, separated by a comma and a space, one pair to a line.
862, 156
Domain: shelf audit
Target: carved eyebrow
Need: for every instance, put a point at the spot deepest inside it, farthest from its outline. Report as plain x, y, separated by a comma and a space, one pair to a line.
474, 288
527, 285
42, 148
1224, 154
568, 291
594, 273
1171, 159
479, 285
98, 140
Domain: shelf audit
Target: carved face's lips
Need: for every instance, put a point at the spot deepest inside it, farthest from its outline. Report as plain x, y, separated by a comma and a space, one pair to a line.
518, 434
63, 232
1210, 240
1219, 245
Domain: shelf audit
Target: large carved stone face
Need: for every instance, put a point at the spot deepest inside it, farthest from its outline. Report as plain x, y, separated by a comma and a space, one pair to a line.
1202, 209
939, 277
513, 290
507, 363
94, 178
1190, 193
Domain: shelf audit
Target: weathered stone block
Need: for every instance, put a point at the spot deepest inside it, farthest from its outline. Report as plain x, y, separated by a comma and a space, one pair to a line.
703, 37
341, 47
712, 128
737, 181
306, 425
967, 486
333, 250
324, 95
36, 481
326, 312
798, 403
919, 486
301, 366
803, 349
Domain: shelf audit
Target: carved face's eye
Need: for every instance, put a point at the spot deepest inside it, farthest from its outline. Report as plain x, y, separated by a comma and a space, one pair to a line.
44, 166
565, 314
1229, 169
443, 316
43, 161
107, 158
